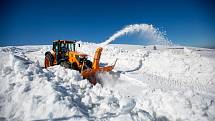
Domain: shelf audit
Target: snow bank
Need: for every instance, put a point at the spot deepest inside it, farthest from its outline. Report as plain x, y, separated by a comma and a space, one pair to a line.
29, 92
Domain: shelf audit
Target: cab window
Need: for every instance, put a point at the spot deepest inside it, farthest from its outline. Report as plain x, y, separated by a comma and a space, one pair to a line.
55, 46
71, 47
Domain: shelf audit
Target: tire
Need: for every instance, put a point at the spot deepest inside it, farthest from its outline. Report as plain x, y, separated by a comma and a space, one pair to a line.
65, 64
74, 66
48, 60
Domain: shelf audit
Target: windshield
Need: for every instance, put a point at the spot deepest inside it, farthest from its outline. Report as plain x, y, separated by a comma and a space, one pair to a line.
71, 47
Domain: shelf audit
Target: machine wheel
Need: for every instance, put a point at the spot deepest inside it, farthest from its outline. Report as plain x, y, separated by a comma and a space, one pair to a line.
74, 66
65, 64
48, 60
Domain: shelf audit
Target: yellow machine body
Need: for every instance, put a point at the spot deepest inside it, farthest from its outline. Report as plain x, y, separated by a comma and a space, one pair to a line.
65, 54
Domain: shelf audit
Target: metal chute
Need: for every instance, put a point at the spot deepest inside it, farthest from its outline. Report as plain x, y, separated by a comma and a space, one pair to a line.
90, 73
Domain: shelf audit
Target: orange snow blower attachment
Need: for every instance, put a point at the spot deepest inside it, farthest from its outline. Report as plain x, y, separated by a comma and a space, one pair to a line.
91, 72
64, 53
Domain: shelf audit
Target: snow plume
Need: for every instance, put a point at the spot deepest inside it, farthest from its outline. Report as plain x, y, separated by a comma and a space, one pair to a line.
148, 31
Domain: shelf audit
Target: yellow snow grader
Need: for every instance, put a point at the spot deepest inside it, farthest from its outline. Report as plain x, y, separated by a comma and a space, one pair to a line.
64, 53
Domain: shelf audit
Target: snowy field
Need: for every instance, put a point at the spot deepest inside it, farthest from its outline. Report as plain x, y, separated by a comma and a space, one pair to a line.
167, 84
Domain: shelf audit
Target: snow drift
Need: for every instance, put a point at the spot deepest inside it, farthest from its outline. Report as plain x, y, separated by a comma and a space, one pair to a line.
143, 86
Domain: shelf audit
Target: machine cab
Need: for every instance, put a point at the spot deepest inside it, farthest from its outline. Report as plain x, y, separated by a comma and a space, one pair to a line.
63, 46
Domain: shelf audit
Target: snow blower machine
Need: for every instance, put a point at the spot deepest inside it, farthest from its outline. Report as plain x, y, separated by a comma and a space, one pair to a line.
64, 53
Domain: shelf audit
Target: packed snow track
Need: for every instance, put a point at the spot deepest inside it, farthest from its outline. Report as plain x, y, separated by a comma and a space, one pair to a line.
147, 84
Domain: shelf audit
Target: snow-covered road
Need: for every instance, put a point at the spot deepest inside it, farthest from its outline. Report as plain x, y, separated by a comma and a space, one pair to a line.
167, 84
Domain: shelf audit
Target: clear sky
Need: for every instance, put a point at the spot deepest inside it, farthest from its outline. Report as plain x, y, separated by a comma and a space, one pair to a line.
186, 22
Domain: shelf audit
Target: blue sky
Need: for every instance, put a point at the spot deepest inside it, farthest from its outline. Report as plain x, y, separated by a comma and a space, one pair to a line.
186, 22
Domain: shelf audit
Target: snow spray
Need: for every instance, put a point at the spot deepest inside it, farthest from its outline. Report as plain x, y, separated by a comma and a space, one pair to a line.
148, 31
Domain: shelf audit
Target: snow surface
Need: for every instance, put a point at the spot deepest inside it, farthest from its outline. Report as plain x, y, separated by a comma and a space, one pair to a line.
166, 84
